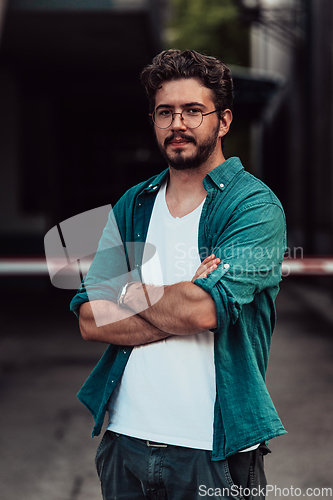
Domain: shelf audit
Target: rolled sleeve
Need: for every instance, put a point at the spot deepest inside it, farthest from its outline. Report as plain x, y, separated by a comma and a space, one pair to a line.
251, 248
227, 309
80, 298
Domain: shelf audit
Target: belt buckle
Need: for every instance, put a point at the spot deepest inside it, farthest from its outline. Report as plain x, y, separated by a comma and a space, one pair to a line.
152, 444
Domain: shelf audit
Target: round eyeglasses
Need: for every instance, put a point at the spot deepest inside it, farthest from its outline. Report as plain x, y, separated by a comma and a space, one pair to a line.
191, 118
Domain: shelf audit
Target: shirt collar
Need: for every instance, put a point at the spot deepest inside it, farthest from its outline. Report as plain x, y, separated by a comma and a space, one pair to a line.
223, 174
157, 181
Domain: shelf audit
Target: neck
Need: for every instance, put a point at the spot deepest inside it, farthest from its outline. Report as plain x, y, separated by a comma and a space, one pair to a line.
188, 182
185, 190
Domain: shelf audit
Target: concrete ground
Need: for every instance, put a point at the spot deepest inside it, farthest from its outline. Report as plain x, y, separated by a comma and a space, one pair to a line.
46, 452
300, 380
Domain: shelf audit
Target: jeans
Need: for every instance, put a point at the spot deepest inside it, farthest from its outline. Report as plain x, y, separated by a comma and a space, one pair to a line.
129, 469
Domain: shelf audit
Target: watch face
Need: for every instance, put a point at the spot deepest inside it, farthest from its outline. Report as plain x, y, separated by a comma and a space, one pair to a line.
120, 300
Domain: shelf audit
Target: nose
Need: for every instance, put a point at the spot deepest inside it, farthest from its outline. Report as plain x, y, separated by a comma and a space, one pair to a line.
177, 122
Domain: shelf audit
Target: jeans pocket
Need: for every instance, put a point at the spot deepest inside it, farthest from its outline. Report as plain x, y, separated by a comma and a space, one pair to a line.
103, 448
224, 479
258, 481
247, 473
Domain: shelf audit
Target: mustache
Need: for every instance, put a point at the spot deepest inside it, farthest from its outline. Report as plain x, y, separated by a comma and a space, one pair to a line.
180, 135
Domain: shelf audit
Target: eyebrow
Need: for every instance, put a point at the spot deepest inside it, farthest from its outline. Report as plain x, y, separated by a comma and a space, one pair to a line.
186, 105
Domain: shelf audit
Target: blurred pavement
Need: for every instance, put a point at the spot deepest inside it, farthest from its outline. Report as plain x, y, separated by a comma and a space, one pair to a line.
46, 449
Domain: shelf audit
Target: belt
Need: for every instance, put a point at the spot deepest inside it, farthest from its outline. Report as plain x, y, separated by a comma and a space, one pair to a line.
152, 444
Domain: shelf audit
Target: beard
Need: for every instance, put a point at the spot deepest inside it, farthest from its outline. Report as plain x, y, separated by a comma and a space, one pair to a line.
179, 160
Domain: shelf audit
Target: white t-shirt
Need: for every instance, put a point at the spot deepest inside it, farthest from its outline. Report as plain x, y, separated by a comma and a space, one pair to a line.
167, 391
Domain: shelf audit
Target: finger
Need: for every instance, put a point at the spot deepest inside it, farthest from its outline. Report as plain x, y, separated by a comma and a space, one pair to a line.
206, 266
207, 271
208, 259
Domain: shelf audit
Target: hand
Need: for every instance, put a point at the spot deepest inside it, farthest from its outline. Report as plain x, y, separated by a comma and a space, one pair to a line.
206, 267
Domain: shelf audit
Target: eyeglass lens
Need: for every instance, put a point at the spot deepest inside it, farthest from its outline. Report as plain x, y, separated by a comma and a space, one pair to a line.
192, 118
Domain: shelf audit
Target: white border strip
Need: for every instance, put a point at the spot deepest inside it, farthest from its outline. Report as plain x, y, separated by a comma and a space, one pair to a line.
37, 266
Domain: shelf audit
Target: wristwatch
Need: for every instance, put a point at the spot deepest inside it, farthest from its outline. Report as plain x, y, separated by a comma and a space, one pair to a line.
122, 294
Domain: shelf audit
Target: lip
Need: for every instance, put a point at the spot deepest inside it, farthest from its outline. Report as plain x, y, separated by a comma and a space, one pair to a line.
179, 143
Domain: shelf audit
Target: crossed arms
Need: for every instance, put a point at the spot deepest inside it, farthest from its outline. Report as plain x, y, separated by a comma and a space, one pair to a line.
183, 309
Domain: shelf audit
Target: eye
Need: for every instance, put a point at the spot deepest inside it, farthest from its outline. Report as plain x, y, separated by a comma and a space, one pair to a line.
192, 111
163, 113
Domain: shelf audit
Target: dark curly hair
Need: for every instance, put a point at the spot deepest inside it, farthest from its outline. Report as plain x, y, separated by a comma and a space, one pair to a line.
175, 64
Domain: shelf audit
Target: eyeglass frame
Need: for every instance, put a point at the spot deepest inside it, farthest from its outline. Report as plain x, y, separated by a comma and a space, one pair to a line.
182, 118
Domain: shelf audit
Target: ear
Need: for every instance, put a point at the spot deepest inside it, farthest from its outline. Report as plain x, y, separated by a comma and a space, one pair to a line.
225, 122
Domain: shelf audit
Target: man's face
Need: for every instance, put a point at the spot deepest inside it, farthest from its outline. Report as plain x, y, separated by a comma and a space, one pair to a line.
182, 147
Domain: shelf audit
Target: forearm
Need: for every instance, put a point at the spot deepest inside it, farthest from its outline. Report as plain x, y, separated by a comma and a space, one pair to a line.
133, 330
182, 309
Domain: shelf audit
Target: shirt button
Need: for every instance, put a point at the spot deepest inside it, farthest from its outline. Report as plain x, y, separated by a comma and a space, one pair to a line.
139, 204
226, 266
221, 185
124, 352
139, 235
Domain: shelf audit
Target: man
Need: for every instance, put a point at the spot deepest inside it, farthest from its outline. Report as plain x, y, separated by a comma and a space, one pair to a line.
183, 379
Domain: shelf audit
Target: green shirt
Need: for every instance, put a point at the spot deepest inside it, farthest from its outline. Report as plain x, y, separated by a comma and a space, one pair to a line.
243, 223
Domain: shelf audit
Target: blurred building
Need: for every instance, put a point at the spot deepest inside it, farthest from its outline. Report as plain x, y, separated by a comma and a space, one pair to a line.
293, 139
73, 115
74, 127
